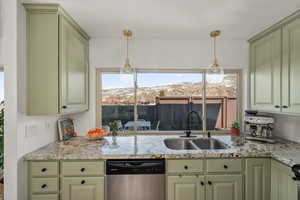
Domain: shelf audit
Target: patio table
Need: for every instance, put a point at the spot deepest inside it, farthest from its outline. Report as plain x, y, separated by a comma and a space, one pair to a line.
144, 125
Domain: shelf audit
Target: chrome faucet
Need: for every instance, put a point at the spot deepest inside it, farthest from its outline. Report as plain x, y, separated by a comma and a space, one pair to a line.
188, 130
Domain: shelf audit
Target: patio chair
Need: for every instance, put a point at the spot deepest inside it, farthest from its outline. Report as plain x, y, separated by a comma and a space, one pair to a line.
119, 125
157, 125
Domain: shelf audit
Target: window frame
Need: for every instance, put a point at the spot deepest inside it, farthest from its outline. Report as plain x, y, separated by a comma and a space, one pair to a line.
239, 98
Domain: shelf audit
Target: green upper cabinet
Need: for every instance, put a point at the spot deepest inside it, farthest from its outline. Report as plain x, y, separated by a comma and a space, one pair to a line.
274, 65
73, 64
265, 66
57, 62
291, 67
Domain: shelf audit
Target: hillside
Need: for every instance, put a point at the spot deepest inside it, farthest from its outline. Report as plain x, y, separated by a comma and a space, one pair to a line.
148, 94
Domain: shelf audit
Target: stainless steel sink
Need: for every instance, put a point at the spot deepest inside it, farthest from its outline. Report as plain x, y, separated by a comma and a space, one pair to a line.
194, 144
209, 143
179, 144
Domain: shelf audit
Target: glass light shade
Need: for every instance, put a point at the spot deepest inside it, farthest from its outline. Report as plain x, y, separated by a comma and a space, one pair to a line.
127, 72
215, 74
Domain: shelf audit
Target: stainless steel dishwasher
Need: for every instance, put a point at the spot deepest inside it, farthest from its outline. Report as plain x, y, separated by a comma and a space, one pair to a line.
135, 179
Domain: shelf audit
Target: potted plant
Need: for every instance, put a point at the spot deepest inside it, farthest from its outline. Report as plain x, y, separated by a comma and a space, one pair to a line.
235, 128
113, 127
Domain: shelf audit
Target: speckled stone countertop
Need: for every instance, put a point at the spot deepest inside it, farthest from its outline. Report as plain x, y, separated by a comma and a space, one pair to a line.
152, 146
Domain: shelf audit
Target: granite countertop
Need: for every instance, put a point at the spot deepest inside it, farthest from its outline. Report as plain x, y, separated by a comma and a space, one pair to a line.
152, 146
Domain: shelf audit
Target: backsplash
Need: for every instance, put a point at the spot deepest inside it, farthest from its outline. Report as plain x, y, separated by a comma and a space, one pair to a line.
287, 127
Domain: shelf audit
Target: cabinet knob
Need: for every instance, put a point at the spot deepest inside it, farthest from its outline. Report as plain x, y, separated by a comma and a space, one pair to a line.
82, 182
209, 183
277, 106
186, 167
44, 186
64, 107
202, 183
225, 167
285, 106
44, 169
82, 169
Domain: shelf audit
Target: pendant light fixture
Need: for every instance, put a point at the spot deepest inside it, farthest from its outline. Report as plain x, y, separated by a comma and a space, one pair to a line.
127, 71
215, 73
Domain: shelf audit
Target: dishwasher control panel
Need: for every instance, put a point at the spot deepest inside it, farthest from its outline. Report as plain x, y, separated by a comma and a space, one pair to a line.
135, 166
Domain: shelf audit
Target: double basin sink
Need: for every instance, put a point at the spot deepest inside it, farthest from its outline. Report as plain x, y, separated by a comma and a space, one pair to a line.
194, 144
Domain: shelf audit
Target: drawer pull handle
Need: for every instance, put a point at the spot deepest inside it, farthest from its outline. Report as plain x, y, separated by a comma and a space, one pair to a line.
44, 186
64, 107
82, 182
225, 167
285, 106
277, 106
202, 183
209, 183
82, 169
186, 167
44, 169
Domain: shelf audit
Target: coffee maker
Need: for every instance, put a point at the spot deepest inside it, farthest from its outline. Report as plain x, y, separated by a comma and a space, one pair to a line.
258, 127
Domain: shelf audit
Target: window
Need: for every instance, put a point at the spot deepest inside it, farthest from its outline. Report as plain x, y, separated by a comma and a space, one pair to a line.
117, 103
162, 101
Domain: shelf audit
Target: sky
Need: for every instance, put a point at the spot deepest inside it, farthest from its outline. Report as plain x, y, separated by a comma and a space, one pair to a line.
1, 86
150, 79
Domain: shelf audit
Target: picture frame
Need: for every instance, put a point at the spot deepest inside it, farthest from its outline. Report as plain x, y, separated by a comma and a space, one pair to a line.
66, 129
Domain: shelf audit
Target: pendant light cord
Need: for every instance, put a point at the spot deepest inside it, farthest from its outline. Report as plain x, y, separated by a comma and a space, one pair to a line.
127, 46
215, 54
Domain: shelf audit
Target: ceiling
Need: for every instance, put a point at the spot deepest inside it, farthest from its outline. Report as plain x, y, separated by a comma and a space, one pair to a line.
176, 19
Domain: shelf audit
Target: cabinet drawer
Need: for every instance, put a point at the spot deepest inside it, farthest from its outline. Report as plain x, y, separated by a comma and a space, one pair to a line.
86, 168
224, 165
41, 169
44, 197
181, 166
44, 185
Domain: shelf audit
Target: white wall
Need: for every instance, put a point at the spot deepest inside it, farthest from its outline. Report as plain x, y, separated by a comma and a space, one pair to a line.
169, 53
9, 10
1, 32
109, 53
23, 134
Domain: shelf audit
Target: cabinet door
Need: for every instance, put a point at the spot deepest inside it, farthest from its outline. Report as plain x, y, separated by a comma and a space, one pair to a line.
91, 188
291, 67
186, 188
265, 66
224, 187
283, 186
73, 69
257, 179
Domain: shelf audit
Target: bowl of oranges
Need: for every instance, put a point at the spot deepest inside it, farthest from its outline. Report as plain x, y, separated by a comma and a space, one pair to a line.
96, 134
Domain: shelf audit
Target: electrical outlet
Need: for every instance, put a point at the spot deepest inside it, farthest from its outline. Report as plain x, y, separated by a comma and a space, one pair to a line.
47, 125
31, 130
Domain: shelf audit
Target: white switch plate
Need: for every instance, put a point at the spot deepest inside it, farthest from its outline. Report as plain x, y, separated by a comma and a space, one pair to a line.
31, 130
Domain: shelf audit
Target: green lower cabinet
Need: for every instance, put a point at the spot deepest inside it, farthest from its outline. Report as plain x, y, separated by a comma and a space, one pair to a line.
224, 187
257, 178
283, 187
45, 197
186, 187
83, 188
